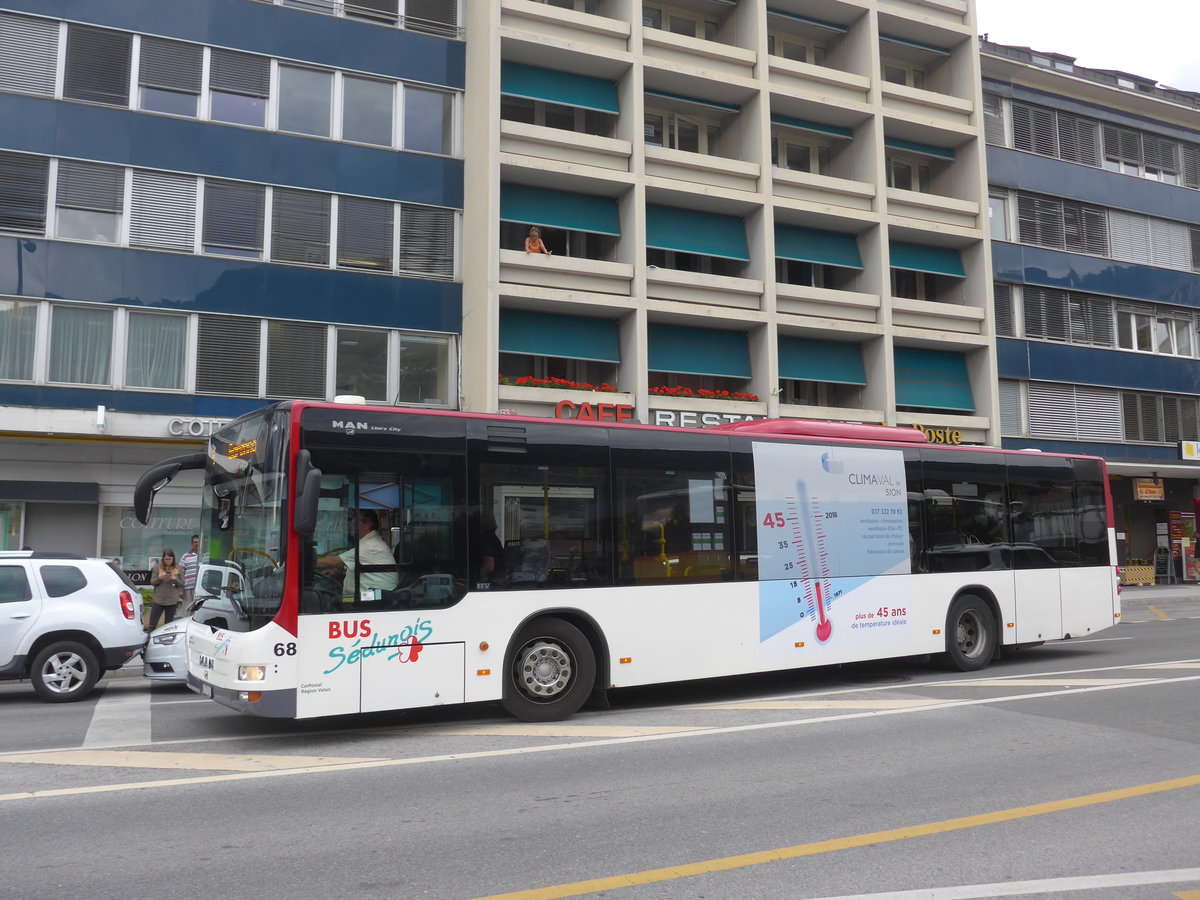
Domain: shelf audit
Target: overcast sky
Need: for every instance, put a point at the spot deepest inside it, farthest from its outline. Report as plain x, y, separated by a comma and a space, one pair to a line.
1157, 39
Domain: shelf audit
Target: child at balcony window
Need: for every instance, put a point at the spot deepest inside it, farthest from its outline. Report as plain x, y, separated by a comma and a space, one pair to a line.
533, 243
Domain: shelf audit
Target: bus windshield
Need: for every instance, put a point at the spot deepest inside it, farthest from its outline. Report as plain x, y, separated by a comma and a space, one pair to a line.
240, 578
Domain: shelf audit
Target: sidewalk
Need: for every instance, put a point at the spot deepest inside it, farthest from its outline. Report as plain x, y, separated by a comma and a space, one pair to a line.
1140, 595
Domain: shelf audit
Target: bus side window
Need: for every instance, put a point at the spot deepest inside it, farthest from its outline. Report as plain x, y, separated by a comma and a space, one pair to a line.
966, 513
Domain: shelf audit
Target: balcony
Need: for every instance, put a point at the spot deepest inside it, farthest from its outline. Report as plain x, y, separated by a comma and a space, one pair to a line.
698, 288
935, 208
520, 142
952, 13
832, 413
695, 56
849, 306
701, 169
927, 107
566, 273
540, 23
823, 189
820, 83
931, 315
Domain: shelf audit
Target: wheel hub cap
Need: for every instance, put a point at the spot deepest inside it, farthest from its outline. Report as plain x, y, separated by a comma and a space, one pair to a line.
545, 669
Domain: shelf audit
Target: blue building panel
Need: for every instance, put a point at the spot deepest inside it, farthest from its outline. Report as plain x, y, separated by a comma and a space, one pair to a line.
86, 272
274, 31
1046, 361
124, 137
1076, 272
159, 403
1044, 175
1134, 453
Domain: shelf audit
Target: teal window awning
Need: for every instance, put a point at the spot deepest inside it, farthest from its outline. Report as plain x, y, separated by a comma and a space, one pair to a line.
691, 231
694, 101
815, 127
697, 351
917, 45
933, 379
826, 248
934, 260
921, 149
558, 209
567, 88
832, 362
570, 337
819, 23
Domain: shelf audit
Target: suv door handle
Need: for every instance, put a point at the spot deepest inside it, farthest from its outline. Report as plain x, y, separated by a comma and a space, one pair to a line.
21, 616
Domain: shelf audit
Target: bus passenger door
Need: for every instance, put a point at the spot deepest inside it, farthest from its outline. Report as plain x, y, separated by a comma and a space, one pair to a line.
1041, 513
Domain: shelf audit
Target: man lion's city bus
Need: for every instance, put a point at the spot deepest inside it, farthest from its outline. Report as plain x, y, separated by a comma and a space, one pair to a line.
541, 562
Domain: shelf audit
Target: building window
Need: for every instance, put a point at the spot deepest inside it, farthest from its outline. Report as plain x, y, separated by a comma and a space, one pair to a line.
424, 370
296, 353
24, 183
693, 262
300, 227
795, 47
367, 111
89, 203
1062, 224
162, 211
799, 154
80, 345
155, 352
556, 115
428, 120
821, 393
679, 21
169, 76
365, 233
29, 50
908, 173
304, 100
1142, 417
678, 132
427, 240
18, 331
579, 371
362, 357
910, 285
97, 65
900, 72
1135, 153
1002, 295
993, 120
227, 355
239, 85
233, 218
1135, 329
998, 216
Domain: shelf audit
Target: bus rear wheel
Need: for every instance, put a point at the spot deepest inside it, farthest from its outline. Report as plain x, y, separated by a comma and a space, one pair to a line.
550, 672
971, 635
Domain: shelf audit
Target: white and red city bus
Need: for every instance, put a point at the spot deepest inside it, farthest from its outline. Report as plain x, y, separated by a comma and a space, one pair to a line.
540, 562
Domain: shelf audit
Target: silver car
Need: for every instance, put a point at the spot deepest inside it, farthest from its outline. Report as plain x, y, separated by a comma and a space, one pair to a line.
165, 656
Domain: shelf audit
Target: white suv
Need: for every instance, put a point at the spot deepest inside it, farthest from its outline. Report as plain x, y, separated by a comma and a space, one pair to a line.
64, 621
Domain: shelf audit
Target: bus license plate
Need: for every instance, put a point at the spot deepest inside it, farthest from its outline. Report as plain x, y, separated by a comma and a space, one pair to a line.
206, 690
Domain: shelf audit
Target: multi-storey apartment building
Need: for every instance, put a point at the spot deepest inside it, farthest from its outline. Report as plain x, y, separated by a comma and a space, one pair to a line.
205, 206
1095, 219
765, 207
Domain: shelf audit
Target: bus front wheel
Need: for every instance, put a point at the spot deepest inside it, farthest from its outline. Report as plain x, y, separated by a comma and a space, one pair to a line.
550, 672
971, 635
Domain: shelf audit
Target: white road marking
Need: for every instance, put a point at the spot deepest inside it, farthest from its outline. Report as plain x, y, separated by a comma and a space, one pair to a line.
1025, 888
148, 759
121, 717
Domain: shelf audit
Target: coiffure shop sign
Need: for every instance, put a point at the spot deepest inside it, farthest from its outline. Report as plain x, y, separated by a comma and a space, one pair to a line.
194, 428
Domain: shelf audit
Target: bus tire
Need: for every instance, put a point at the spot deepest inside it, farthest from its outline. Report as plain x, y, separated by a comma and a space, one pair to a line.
550, 672
971, 635
64, 672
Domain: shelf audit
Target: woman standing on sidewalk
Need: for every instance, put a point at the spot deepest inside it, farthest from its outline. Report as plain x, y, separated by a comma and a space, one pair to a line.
168, 582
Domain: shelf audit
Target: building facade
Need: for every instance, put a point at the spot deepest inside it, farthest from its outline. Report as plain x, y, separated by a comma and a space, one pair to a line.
205, 207
751, 209
1095, 217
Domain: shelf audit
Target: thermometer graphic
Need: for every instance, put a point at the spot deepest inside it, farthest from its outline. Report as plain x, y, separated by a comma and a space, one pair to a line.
811, 557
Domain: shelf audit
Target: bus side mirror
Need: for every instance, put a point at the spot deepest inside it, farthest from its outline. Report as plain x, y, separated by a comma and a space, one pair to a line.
308, 495
158, 477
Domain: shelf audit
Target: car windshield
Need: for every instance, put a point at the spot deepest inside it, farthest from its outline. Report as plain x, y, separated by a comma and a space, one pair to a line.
240, 577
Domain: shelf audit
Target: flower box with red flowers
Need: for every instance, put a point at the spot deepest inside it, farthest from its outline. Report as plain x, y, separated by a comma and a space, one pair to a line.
702, 394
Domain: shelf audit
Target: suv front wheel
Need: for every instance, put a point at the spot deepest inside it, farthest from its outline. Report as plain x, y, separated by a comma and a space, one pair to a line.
64, 671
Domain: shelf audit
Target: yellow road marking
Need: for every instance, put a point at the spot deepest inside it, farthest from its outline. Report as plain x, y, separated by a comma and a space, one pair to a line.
555, 730
148, 759
1157, 611
745, 860
1188, 895
822, 704
1035, 682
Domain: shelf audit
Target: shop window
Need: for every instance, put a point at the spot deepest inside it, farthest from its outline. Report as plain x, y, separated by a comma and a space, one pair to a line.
137, 547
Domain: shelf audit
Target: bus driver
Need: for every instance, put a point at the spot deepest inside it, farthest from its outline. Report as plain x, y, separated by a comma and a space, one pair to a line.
371, 551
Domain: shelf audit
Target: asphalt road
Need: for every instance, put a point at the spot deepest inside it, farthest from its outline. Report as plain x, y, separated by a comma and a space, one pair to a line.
1072, 770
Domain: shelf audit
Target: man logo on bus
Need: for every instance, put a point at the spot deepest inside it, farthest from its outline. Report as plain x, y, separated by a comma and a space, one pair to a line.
349, 426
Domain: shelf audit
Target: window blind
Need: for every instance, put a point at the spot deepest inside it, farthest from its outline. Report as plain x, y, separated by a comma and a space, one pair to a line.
300, 227
170, 65
1074, 412
365, 230
1170, 244
1010, 409
438, 17
296, 353
97, 68
427, 240
28, 55
993, 119
84, 185
1130, 235
233, 216
240, 73
1142, 417
162, 211
1046, 314
1034, 129
386, 11
24, 183
1079, 139
1003, 296
227, 352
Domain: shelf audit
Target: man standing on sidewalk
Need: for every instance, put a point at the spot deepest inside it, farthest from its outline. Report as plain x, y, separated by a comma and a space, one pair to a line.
190, 563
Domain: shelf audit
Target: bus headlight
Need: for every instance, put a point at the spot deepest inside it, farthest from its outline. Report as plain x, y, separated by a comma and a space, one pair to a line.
252, 673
